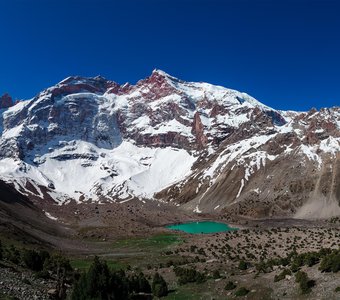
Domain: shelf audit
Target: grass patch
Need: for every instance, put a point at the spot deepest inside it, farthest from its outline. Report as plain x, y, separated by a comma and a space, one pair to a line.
194, 292
155, 242
149, 247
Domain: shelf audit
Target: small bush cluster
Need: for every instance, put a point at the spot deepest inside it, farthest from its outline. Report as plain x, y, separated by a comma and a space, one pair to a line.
189, 275
242, 291
35, 260
230, 286
305, 283
43, 264
243, 265
282, 275
331, 262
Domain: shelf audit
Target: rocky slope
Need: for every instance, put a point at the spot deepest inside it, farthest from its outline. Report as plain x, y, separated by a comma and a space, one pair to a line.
203, 147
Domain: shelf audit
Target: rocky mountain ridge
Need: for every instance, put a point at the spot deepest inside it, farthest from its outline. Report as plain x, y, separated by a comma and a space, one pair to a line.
205, 148
6, 101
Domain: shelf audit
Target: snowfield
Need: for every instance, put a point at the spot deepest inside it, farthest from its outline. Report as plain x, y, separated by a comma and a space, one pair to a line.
124, 172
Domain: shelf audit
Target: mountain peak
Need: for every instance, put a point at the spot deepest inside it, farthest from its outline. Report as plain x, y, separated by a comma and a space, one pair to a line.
77, 84
84, 80
160, 73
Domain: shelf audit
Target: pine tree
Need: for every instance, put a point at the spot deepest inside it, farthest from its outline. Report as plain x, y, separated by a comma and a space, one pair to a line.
94, 284
35, 260
159, 286
100, 283
119, 285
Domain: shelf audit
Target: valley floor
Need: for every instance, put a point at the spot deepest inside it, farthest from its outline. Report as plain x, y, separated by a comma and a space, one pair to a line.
132, 237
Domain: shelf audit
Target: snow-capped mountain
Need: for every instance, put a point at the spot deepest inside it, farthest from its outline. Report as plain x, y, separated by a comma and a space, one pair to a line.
203, 147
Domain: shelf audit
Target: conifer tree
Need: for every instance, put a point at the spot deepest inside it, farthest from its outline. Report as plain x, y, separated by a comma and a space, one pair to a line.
159, 286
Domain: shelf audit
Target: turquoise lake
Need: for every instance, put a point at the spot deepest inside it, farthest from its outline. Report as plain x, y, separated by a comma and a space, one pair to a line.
201, 227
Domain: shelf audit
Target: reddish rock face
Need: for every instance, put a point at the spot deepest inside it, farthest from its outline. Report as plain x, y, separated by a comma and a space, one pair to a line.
198, 131
119, 89
6, 101
216, 110
77, 84
157, 86
70, 89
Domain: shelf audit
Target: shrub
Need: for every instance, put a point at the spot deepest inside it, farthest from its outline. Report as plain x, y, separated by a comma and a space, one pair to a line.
284, 261
230, 286
57, 263
35, 260
42, 274
216, 274
13, 255
331, 262
300, 275
282, 275
242, 265
296, 264
311, 258
261, 267
305, 283
189, 275
242, 291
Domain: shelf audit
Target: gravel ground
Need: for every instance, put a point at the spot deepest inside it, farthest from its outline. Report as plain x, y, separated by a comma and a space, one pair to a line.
23, 285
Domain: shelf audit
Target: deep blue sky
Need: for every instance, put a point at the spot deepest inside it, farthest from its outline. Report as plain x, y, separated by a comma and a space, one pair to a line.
284, 53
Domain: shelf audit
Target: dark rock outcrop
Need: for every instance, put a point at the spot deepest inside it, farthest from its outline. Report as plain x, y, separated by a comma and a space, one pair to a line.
6, 101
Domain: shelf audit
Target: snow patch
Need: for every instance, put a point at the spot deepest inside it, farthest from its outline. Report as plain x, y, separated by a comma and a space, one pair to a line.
48, 215
80, 170
241, 188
